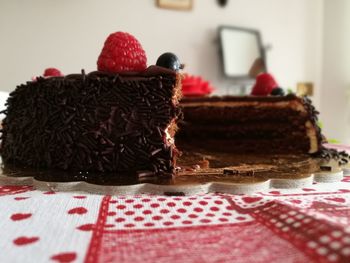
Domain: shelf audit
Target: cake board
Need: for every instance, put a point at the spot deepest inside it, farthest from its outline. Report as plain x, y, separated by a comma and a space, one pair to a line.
200, 172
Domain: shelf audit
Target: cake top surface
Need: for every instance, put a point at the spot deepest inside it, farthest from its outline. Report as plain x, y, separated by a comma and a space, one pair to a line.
133, 75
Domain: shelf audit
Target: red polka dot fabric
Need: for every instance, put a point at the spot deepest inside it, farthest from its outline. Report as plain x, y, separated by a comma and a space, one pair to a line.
311, 224
137, 213
45, 226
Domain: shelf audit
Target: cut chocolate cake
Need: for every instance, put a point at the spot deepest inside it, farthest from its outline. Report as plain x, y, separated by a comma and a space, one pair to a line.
94, 122
280, 124
121, 118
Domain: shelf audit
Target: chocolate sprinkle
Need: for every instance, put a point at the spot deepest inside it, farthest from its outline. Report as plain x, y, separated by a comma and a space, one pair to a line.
236, 172
230, 172
93, 122
174, 194
326, 168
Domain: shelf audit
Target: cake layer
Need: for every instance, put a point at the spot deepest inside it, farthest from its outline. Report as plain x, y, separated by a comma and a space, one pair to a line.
245, 145
276, 123
94, 122
247, 113
248, 130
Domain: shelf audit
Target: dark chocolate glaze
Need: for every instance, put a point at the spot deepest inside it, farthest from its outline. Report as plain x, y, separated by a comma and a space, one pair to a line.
93, 122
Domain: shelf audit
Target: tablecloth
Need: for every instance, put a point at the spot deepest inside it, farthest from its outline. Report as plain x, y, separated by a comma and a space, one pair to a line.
280, 225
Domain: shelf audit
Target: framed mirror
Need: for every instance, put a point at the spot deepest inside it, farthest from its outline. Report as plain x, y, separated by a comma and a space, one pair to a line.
241, 52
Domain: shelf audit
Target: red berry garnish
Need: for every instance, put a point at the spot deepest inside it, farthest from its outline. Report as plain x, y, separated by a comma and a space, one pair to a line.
122, 52
52, 72
264, 84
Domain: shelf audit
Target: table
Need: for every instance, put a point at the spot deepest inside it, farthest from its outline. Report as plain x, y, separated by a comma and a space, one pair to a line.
279, 225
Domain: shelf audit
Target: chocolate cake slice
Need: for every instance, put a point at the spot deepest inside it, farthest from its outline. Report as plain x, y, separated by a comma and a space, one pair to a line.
265, 124
100, 121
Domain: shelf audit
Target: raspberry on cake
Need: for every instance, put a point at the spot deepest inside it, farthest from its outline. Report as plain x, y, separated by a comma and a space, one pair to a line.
52, 72
120, 119
264, 85
122, 52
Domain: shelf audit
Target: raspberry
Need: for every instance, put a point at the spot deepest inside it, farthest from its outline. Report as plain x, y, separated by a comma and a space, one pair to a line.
264, 84
122, 52
52, 72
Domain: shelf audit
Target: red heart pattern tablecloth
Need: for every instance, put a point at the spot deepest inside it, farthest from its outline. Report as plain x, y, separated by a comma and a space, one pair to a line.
300, 225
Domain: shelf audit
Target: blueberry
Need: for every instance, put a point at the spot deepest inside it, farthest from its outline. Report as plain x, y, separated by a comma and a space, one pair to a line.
222, 2
170, 61
277, 92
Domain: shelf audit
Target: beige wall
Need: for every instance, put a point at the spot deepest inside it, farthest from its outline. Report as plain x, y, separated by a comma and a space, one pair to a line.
335, 93
69, 34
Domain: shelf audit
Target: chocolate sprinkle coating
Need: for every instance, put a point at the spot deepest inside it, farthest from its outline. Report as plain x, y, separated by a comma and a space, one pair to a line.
174, 194
93, 122
325, 168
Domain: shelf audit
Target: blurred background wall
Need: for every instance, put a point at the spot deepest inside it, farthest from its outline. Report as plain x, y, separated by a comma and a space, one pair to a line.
69, 35
335, 88
307, 39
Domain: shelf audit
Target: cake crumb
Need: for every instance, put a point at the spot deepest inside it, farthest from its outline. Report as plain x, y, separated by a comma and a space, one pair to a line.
204, 164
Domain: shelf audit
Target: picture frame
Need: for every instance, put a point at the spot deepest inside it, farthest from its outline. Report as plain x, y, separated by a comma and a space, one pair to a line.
228, 51
175, 4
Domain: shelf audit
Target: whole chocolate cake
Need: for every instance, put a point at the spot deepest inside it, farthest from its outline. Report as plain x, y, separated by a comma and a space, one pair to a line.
264, 124
121, 118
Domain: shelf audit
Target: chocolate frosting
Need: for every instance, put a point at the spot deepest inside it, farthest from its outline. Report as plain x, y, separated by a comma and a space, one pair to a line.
93, 122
